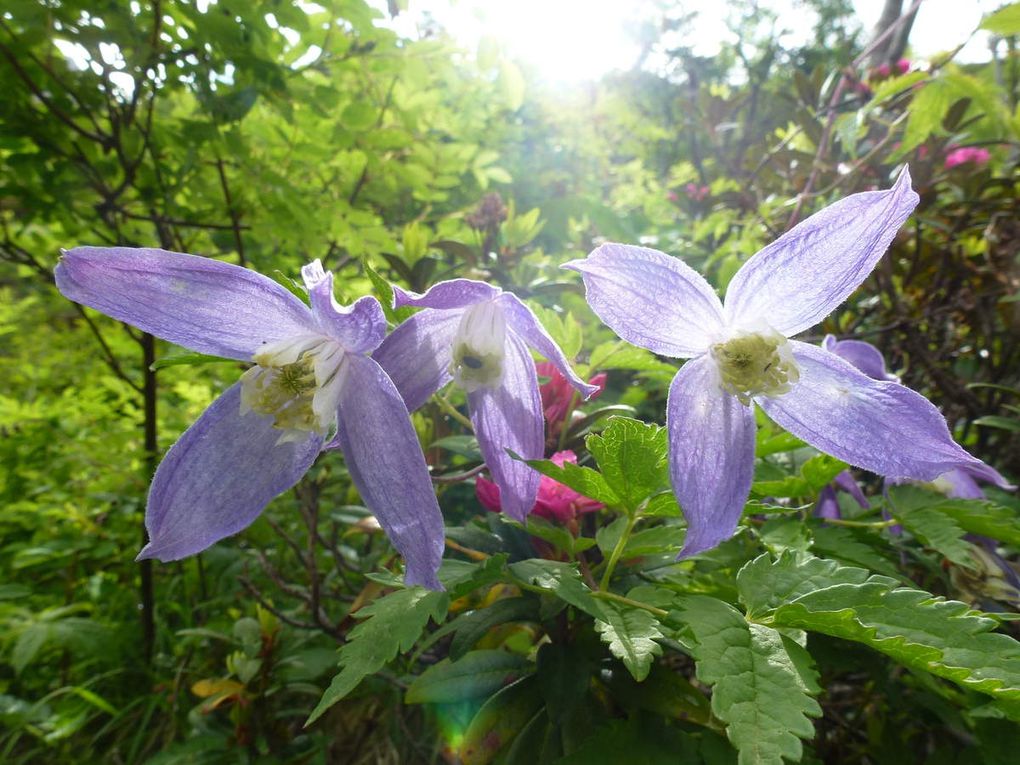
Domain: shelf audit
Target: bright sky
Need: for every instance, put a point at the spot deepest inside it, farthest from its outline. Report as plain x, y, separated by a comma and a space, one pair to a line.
574, 40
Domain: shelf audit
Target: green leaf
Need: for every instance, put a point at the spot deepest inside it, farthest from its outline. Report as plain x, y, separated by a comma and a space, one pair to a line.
190, 359
621, 355
470, 628
478, 673
638, 741
1005, 22
632, 458
564, 673
764, 584
759, 691
562, 579
855, 547
392, 624
981, 517
499, 721
584, 480
1011, 424
911, 626
664, 692
917, 509
630, 634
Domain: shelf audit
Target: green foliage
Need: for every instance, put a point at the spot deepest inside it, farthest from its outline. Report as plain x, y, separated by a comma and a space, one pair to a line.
393, 624
762, 694
913, 627
406, 160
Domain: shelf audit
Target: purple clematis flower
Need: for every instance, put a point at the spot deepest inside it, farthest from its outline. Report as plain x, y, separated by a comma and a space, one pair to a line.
478, 335
311, 375
862, 355
740, 353
828, 502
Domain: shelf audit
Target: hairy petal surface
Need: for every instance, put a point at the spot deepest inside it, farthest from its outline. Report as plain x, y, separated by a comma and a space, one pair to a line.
711, 454
651, 299
800, 278
219, 476
199, 303
456, 293
877, 425
359, 327
509, 416
388, 468
417, 354
530, 329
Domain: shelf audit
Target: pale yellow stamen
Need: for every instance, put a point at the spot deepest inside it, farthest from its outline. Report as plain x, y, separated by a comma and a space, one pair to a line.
479, 347
755, 363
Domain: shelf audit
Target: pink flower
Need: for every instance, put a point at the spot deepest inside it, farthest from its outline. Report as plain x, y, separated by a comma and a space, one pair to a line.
967, 154
696, 192
903, 66
556, 502
558, 399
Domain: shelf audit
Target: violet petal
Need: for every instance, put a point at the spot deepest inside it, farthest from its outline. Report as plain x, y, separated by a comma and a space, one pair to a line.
386, 463
456, 293
218, 477
417, 354
799, 279
359, 327
877, 425
711, 454
527, 326
199, 303
862, 355
650, 299
509, 416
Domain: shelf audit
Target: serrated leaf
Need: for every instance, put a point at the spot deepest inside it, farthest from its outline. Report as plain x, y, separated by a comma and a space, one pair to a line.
981, 517
391, 624
911, 626
916, 509
562, 579
631, 456
764, 584
937, 531
630, 634
584, 480
854, 547
758, 689
478, 673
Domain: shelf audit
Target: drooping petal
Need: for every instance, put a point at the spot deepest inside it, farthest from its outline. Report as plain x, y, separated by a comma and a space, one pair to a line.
880, 426
456, 293
845, 481
417, 354
509, 416
359, 327
799, 279
199, 303
219, 476
862, 355
828, 505
388, 468
960, 485
711, 454
530, 329
651, 299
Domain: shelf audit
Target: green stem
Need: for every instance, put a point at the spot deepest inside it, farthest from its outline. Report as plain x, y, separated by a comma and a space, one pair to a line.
617, 552
451, 410
863, 524
630, 602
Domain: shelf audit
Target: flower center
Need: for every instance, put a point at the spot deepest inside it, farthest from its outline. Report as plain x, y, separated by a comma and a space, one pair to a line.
296, 382
479, 347
756, 363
